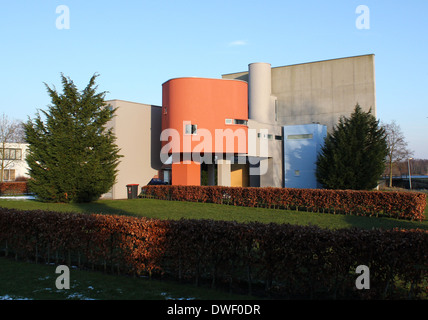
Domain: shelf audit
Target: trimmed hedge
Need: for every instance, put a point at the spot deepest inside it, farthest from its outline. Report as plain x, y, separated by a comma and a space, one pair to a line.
18, 187
401, 205
285, 261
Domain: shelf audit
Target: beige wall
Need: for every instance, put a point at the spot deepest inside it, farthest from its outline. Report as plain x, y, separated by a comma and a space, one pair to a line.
137, 128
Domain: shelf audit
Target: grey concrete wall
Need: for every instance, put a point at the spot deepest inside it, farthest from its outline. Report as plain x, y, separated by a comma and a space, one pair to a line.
316, 92
322, 91
271, 168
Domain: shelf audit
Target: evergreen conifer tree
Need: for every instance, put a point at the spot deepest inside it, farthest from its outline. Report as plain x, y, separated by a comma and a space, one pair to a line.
353, 155
72, 155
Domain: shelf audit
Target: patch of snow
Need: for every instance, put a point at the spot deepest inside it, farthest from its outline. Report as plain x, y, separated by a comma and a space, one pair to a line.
79, 296
8, 297
18, 197
168, 297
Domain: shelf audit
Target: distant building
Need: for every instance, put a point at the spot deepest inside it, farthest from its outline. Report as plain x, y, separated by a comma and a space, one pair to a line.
12, 159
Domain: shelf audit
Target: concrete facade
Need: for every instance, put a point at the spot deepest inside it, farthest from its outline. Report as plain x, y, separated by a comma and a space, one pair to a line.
309, 93
137, 128
321, 92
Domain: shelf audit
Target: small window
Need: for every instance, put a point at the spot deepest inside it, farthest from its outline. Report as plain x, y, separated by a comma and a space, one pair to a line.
239, 121
278, 137
300, 136
236, 121
297, 173
191, 129
11, 154
265, 136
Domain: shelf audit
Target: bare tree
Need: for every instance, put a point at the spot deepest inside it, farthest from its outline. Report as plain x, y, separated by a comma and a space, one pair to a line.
11, 133
397, 146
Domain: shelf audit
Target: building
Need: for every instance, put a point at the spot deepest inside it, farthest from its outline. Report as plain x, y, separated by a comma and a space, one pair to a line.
200, 120
259, 127
12, 161
137, 128
308, 93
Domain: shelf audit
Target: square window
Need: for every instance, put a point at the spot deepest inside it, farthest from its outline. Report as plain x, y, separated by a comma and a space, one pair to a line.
191, 129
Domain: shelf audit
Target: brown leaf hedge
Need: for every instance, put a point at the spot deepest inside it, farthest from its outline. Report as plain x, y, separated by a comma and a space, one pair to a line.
400, 205
18, 187
276, 260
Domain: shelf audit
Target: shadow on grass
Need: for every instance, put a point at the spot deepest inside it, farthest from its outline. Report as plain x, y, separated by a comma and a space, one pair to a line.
384, 223
100, 208
115, 207
128, 207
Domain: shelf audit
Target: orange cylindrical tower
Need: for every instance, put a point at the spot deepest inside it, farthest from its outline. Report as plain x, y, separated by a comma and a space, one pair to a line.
204, 116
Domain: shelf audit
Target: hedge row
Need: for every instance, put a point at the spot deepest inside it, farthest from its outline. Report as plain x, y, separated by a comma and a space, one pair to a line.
13, 187
404, 205
284, 261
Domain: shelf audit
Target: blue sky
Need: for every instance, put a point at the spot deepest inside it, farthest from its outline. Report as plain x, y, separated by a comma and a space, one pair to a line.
135, 46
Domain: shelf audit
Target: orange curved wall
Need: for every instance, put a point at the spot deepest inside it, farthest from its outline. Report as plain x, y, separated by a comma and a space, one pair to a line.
206, 103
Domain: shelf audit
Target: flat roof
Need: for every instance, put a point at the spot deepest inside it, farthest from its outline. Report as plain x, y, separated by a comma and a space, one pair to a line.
127, 101
202, 78
297, 64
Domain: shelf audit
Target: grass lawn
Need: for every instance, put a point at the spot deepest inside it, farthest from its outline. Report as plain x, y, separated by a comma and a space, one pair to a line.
162, 209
